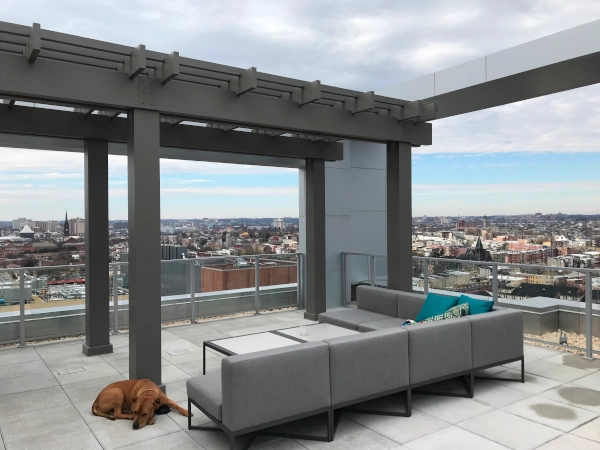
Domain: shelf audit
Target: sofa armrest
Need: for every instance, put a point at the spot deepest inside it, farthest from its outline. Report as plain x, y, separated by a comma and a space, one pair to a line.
496, 336
377, 300
410, 304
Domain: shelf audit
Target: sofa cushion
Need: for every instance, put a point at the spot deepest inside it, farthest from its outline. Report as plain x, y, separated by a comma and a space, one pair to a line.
409, 304
272, 385
452, 313
436, 304
377, 300
476, 306
497, 337
206, 391
367, 364
350, 317
439, 349
381, 324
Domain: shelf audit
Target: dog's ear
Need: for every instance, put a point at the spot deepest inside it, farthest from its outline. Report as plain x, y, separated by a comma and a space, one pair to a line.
157, 401
133, 399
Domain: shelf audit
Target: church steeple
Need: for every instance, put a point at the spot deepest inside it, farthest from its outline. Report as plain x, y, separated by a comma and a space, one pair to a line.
66, 226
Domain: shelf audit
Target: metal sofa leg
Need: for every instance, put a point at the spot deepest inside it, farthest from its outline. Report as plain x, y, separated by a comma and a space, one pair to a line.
408, 402
189, 414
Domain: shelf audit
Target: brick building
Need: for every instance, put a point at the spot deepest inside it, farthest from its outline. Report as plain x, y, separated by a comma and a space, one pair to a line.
225, 277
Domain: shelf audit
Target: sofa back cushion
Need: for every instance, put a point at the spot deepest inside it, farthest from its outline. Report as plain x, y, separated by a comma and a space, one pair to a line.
262, 387
436, 304
377, 300
439, 349
476, 306
368, 364
409, 304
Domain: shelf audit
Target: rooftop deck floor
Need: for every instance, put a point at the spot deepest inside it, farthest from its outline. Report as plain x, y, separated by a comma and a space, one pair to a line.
42, 405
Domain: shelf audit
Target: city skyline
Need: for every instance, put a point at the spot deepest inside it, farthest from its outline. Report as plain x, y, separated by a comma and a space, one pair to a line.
485, 162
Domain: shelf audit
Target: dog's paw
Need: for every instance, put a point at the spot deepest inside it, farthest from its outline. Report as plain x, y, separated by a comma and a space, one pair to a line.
112, 418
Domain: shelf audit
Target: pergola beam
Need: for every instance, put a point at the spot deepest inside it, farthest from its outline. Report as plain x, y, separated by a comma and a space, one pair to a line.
25, 120
114, 90
137, 62
34, 43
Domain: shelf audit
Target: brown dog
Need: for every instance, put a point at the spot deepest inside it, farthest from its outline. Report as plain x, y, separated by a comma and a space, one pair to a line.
135, 400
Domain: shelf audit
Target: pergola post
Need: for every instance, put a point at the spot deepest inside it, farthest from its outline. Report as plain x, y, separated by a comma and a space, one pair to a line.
97, 314
143, 170
399, 216
316, 298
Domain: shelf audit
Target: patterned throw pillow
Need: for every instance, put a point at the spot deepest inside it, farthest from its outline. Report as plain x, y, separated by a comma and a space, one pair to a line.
455, 311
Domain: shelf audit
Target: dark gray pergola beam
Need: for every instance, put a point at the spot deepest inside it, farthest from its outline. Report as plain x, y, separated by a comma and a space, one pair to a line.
114, 90
64, 124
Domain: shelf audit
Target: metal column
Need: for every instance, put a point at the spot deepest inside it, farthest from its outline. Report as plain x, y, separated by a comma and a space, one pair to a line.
316, 292
399, 216
97, 311
143, 169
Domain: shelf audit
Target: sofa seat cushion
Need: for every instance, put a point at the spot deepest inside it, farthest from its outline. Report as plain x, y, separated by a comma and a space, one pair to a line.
434, 305
206, 391
381, 324
350, 317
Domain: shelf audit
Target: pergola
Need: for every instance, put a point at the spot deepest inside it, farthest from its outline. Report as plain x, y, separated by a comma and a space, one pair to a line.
105, 94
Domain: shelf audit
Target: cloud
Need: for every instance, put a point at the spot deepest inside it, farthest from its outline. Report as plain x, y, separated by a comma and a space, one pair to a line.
266, 191
505, 188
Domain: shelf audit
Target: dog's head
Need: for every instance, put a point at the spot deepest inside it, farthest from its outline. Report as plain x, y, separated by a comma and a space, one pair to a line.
143, 407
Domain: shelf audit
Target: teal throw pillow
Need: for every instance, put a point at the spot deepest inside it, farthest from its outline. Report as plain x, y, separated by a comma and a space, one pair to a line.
436, 304
452, 313
476, 306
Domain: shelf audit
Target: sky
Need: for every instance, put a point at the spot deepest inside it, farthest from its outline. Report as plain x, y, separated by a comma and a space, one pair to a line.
541, 155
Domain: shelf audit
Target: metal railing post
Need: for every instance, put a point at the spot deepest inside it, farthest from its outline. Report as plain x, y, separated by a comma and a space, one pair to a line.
22, 309
192, 269
495, 283
372, 270
345, 279
425, 276
257, 284
299, 282
115, 300
588, 317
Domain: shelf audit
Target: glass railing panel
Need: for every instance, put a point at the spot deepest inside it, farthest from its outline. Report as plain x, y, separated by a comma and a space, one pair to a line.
54, 302
380, 270
175, 291
358, 273
455, 276
552, 300
120, 312
9, 306
278, 281
225, 285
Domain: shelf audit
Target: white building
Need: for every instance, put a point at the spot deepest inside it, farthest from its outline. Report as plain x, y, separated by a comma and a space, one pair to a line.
277, 223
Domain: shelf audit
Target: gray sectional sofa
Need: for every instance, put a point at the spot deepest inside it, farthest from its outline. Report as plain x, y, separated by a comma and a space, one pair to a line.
259, 390
437, 350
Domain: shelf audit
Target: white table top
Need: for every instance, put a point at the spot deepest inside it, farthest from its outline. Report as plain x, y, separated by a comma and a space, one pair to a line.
318, 332
254, 343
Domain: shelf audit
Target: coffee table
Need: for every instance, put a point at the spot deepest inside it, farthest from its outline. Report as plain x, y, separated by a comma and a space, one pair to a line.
240, 345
